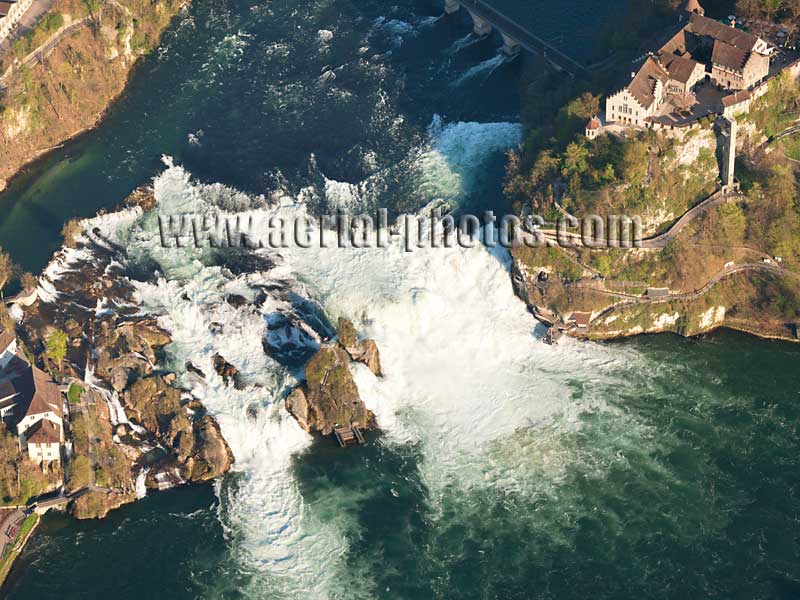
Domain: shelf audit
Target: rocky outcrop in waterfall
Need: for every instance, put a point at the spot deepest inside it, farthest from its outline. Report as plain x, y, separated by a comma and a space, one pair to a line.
329, 396
363, 351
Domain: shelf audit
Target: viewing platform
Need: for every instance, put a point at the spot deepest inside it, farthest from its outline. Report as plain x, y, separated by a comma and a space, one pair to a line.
348, 435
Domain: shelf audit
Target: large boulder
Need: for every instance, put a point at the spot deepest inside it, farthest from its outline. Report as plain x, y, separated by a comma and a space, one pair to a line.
212, 457
363, 351
348, 337
225, 369
193, 436
153, 404
368, 354
298, 407
330, 395
127, 352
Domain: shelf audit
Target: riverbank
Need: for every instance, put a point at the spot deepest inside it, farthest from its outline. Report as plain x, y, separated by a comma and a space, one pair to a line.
12, 553
724, 258
71, 77
733, 298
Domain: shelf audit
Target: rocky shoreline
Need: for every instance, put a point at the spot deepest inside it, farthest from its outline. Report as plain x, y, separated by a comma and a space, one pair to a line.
108, 62
150, 431
155, 434
615, 321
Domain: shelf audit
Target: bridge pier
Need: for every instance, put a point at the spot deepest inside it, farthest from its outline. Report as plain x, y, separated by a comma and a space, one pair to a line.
481, 26
511, 47
452, 6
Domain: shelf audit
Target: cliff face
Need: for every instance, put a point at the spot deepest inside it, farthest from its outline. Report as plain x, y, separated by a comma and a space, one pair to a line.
744, 302
725, 259
96, 505
761, 302
85, 67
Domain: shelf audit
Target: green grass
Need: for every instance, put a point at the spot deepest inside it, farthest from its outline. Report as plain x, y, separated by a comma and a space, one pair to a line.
74, 393
791, 146
15, 548
27, 525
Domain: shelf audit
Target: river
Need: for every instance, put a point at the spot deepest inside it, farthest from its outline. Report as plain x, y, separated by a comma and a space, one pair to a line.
655, 467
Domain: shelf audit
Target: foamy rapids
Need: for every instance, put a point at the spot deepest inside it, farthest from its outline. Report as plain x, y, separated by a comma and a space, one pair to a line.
464, 366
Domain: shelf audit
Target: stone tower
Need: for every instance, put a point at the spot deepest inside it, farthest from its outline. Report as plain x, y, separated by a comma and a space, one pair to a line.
729, 155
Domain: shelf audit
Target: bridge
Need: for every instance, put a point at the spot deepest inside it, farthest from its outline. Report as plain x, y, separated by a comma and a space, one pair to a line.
515, 35
44, 503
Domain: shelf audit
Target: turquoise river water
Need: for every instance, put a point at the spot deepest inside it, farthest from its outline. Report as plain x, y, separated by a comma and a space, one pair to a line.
657, 467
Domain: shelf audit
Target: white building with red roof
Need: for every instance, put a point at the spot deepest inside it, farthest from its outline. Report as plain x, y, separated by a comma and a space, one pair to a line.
593, 128
31, 402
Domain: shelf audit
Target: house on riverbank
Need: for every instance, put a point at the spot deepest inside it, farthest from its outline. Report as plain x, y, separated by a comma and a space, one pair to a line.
30, 403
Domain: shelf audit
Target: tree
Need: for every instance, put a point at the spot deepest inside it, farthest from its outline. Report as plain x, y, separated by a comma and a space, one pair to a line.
749, 9
684, 102
584, 107
56, 346
634, 161
9, 457
574, 162
771, 7
608, 176
732, 225
6, 322
7, 268
71, 231
28, 281
94, 8
79, 473
793, 6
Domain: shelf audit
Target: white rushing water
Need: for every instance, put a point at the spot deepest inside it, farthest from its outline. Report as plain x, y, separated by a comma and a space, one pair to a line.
483, 70
463, 368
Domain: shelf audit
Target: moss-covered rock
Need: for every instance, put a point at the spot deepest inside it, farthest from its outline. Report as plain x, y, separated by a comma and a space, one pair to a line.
330, 396
364, 351
97, 504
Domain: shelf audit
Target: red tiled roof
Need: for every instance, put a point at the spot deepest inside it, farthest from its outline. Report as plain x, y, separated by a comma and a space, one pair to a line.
43, 432
680, 68
582, 319
642, 86
6, 338
5, 7
676, 44
703, 26
728, 56
736, 98
7, 390
46, 397
594, 123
